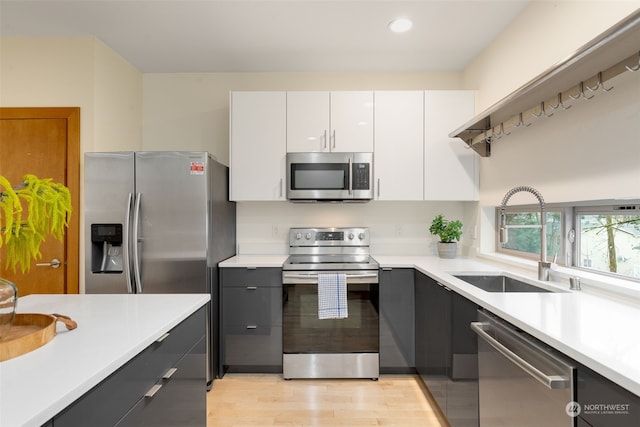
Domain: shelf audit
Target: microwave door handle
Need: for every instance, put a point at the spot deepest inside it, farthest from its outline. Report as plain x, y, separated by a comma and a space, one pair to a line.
350, 177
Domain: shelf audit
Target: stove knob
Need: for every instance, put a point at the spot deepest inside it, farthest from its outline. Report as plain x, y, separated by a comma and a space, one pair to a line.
307, 236
361, 236
298, 236
351, 236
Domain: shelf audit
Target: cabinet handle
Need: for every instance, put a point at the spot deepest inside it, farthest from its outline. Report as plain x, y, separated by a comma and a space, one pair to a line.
163, 337
280, 187
387, 269
169, 373
252, 288
378, 188
252, 268
334, 138
252, 327
153, 390
325, 139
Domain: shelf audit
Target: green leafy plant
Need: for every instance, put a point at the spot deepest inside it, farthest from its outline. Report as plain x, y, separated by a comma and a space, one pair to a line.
48, 211
445, 229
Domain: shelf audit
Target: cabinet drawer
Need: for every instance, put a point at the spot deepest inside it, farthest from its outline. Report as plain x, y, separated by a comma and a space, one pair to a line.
180, 399
253, 347
254, 306
108, 401
251, 277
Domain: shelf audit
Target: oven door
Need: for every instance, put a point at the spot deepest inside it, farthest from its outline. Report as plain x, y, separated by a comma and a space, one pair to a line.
330, 348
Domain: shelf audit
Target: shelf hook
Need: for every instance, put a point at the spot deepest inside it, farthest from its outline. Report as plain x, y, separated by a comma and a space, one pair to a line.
637, 67
584, 95
540, 113
521, 122
553, 107
542, 108
565, 107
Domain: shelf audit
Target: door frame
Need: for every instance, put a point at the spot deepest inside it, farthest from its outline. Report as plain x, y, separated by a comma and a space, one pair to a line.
72, 235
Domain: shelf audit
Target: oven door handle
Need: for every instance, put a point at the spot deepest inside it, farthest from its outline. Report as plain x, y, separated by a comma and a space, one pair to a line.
312, 278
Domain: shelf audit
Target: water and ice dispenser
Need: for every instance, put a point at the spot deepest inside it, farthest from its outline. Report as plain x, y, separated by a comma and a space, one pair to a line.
106, 248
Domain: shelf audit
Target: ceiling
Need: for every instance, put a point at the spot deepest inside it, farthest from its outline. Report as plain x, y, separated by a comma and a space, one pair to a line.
159, 36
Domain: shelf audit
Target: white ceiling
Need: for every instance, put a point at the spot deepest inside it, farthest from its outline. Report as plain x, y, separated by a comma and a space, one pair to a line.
272, 36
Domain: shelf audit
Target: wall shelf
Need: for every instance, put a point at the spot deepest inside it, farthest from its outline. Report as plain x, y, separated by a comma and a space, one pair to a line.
587, 70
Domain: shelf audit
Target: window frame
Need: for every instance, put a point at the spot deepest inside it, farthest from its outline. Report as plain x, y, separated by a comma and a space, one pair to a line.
600, 209
564, 258
569, 254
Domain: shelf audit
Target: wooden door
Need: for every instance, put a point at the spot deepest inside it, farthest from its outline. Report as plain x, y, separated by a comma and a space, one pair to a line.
44, 142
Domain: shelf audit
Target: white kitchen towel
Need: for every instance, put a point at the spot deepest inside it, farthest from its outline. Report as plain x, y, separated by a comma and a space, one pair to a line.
332, 296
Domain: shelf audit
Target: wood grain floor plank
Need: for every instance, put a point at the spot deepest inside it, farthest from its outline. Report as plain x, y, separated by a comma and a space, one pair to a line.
253, 400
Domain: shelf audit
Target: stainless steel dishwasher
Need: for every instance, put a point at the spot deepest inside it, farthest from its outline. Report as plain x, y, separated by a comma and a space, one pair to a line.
522, 381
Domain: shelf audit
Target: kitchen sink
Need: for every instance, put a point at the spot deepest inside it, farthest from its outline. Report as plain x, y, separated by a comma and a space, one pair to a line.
500, 283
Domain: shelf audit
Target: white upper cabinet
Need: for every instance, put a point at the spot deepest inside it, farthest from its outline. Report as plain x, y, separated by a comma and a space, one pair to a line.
257, 146
330, 121
399, 145
308, 121
451, 171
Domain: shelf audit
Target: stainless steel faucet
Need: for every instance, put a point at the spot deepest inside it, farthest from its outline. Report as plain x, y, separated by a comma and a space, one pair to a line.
544, 267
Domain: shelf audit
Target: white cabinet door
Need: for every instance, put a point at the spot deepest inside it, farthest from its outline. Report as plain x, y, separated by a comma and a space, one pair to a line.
451, 171
330, 121
399, 144
351, 121
258, 145
308, 124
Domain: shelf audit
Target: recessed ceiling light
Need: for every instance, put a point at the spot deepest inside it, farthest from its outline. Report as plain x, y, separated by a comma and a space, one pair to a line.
400, 25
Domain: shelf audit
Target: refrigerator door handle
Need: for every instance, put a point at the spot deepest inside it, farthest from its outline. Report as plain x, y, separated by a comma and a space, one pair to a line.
136, 240
127, 246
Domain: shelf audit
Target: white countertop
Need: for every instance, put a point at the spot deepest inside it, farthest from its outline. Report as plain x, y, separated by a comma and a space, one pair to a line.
598, 332
254, 261
112, 329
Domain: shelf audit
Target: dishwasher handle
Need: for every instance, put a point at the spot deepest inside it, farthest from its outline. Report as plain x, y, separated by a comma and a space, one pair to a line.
550, 381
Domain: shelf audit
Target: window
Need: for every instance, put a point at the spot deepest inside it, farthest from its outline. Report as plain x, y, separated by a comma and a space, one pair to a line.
523, 233
608, 239
594, 236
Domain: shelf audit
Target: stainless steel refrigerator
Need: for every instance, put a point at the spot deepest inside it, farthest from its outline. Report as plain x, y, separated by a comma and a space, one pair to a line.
158, 222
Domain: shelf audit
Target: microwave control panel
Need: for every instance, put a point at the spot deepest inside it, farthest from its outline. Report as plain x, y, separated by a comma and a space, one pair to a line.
361, 176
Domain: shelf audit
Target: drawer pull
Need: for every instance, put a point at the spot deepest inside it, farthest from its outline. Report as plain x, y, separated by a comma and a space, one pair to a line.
252, 327
252, 288
163, 337
169, 373
153, 390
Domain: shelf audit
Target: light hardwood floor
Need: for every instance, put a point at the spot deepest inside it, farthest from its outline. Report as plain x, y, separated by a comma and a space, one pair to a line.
251, 400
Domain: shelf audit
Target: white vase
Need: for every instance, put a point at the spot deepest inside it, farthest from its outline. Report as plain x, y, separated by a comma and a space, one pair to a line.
447, 250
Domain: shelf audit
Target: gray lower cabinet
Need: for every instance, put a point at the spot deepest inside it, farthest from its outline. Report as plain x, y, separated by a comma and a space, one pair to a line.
251, 319
446, 349
604, 403
397, 320
164, 385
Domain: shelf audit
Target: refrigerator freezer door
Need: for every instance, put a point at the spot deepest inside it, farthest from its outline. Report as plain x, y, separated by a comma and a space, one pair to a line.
109, 187
172, 227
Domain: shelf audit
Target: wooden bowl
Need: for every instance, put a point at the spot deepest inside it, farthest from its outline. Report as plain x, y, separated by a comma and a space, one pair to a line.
31, 331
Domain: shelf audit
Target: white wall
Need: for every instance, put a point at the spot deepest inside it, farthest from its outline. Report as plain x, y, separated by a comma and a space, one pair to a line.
589, 152
544, 34
191, 111
76, 72
400, 228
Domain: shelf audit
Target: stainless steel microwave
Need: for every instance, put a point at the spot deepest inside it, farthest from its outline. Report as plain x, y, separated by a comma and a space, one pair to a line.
329, 177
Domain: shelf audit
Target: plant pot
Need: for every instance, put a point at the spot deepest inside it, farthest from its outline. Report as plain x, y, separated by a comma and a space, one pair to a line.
447, 250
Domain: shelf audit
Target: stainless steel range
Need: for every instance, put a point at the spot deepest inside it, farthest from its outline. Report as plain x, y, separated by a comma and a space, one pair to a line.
345, 342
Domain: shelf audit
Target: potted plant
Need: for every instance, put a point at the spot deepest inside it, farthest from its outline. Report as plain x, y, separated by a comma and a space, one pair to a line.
29, 212
449, 233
